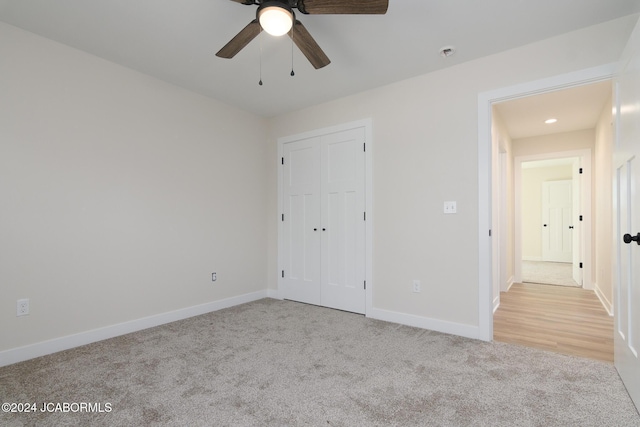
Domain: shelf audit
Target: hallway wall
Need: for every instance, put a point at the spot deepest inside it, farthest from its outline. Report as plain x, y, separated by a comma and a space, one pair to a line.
603, 205
503, 210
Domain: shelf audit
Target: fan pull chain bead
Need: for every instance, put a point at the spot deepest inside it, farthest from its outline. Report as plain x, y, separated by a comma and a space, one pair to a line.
292, 73
260, 35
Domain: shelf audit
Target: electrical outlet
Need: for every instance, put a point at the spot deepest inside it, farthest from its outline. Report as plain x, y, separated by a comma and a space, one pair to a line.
214, 277
22, 308
417, 287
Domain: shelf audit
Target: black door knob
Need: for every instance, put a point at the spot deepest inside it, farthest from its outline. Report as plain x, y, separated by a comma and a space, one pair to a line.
628, 238
544, 225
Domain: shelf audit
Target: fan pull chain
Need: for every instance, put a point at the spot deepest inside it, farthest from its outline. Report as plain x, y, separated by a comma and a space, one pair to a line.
260, 35
292, 73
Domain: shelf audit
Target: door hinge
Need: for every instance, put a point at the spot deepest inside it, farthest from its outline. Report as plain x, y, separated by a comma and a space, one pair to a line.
580, 217
282, 160
365, 216
489, 233
580, 265
580, 170
365, 284
283, 273
364, 146
283, 217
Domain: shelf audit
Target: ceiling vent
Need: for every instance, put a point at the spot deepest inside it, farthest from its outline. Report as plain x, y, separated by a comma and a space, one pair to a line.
447, 51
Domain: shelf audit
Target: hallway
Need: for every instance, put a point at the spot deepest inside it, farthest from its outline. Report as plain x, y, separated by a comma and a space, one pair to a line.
556, 318
548, 273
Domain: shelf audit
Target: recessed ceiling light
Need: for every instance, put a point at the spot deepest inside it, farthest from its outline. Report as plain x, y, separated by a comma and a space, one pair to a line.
549, 121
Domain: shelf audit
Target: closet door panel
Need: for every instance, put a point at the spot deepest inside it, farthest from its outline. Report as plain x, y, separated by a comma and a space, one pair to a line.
301, 221
343, 248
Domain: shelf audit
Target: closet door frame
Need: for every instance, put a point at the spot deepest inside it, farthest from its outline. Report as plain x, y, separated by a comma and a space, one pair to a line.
366, 124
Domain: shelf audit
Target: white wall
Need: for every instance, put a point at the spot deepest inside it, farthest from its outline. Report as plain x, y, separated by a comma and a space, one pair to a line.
603, 240
502, 207
532, 180
120, 194
425, 152
554, 143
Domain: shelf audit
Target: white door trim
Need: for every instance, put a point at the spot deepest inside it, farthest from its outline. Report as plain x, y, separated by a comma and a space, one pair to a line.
485, 101
585, 209
367, 124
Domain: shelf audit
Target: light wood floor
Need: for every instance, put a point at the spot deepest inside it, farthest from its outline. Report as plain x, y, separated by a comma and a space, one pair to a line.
557, 318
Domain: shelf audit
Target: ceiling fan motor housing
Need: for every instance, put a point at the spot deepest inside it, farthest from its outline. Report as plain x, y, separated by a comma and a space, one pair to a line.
274, 3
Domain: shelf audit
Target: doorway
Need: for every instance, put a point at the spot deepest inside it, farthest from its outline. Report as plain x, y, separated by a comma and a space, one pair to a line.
553, 196
487, 163
553, 218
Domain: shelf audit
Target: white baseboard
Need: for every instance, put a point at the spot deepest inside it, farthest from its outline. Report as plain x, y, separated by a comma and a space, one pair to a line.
496, 300
510, 283
507, 285
19, 354
603, 300
467, 331
275, 294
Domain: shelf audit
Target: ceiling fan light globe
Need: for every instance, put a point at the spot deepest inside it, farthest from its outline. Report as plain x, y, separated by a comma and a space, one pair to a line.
275, 20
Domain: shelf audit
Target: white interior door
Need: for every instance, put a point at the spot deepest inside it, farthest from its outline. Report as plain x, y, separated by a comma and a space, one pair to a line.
301, 221
576, 237
324, 220
557, 206
627, 219
343, 246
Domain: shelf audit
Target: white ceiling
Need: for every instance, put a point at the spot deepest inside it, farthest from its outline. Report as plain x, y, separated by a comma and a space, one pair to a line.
575, 108
176, 41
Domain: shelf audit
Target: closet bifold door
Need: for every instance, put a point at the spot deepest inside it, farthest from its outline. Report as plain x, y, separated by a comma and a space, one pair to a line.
323, 192
343, 206
301, 221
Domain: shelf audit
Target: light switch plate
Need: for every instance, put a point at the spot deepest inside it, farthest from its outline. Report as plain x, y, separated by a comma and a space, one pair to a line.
450, 207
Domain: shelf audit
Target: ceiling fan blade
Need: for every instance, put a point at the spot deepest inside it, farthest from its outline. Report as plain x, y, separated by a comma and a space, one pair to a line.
336, 7
308, 46
241, 39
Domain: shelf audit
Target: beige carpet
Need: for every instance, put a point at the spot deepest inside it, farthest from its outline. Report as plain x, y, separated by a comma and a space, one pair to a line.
280, 363
548, 273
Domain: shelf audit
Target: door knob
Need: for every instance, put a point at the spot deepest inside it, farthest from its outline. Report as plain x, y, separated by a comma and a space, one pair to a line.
628, 238
544, 225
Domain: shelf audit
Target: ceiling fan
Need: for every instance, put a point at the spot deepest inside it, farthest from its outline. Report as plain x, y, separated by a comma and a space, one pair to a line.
276, 17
